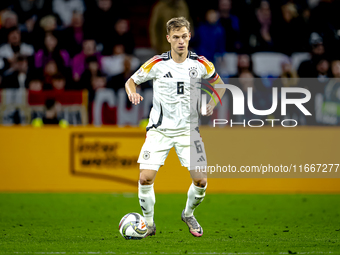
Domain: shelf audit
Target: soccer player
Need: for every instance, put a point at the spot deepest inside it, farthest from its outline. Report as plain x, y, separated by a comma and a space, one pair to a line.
173, 122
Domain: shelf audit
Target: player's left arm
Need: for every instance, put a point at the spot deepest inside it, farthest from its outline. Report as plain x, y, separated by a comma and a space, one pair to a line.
209, 73
220, 91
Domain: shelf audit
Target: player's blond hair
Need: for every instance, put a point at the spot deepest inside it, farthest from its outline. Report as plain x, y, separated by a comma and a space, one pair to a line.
177, 23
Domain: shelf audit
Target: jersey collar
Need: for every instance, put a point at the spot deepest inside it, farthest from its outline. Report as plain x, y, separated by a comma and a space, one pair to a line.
169, 54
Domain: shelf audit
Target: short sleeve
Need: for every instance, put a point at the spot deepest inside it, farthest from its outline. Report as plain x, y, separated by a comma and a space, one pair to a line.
147, 71
209, 71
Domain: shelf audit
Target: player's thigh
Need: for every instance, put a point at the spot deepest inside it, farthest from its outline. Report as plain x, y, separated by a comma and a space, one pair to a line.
190, 151
155, 150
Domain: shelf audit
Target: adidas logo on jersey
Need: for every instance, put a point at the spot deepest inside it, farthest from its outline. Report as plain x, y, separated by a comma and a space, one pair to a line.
201, 159
168, 75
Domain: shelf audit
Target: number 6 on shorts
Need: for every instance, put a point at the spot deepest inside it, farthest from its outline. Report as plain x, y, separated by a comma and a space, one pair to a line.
198, 146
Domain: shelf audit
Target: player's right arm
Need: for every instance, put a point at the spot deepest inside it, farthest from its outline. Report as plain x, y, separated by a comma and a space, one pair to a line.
145, 72
130, 88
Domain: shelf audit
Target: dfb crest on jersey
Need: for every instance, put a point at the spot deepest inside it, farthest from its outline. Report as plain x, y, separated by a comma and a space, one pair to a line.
146, 155
193, 72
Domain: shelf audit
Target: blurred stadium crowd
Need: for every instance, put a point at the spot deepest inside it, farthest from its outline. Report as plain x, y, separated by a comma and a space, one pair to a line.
70, 58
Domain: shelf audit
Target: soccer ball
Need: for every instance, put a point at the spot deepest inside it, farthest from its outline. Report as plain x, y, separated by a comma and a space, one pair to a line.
133, 226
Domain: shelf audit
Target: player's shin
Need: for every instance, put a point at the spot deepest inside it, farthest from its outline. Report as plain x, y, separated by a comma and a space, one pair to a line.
195, 197
147, 201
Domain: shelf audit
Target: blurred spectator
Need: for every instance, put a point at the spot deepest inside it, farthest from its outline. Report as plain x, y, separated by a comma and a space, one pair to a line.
245, 71
316, 86
47, 24
119, 66
49, 70
29, 11
325, 20
74, 35
307, 68
230, 24
35, 84
317, 69
244, 64
261, 38
121, 35
91, 71
9, 19
14, 46
51, 50
244, 79
3, 68
288, 77
100, 21
291, 34
333, 87
163, 11
210, 37
98, 82
58, 82
261, 100
336, 69
51, 112
66, 8
18, 78
322, 69
116, 63
79, 61
332, 90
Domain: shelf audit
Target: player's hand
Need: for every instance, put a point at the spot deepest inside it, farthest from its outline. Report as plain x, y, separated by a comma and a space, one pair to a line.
209, 110
135, 98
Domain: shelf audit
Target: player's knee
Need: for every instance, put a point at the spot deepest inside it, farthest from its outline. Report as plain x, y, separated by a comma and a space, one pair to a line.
202, 182
147, 177
144, 180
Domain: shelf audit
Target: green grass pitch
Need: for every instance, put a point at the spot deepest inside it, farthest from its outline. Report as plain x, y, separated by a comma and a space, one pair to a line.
233, 224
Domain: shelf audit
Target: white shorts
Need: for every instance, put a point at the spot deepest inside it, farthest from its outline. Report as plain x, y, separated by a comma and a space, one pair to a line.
189, 148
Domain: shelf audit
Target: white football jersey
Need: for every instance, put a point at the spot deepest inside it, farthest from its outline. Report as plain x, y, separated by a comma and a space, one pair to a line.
176, 104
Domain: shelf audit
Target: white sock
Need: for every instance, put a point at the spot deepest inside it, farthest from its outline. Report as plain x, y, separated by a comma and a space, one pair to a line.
146, 195
195, 197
